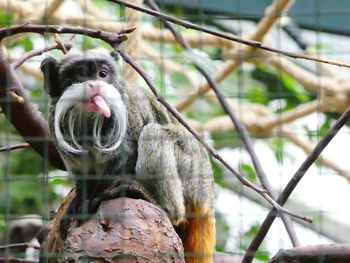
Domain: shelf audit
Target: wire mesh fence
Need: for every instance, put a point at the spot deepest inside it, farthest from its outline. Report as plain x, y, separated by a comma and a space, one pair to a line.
124, 102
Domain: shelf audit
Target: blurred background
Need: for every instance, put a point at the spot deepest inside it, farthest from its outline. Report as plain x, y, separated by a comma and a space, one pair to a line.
286, 104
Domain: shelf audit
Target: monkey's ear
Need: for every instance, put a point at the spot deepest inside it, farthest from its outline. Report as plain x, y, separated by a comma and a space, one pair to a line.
49, 67
114, 55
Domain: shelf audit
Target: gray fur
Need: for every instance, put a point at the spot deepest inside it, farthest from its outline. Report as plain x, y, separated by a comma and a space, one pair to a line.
155, 149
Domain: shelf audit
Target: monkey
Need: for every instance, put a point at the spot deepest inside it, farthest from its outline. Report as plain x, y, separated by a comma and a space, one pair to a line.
107, 130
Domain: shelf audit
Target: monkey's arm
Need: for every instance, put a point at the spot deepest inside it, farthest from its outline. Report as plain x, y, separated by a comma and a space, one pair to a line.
156, 168
176, 169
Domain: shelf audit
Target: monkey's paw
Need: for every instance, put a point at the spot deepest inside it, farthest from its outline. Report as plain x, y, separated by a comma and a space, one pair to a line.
175, 212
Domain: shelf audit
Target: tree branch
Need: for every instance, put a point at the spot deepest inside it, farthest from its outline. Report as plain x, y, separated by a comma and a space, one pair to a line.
330, 253
37, 52
19, 245
16, 260
259, 237
14, 147
252, 43
24, 116
115, 38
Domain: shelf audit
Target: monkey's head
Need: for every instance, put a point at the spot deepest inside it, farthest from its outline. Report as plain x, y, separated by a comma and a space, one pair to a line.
88, 103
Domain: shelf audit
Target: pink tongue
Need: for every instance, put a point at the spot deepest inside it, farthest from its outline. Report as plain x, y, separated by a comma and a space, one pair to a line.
102, 105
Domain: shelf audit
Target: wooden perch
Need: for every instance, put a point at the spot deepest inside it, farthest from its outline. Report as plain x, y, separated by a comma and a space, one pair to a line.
122, 230
330, 253
126, 228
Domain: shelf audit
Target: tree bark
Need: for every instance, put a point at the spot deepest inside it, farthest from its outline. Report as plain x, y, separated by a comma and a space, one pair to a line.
24, 116
330, 253
122, 230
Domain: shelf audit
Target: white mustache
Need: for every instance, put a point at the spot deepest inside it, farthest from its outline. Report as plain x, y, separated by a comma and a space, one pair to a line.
69, 115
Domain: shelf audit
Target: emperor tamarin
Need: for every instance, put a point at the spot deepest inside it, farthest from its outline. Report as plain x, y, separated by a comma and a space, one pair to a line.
106, 129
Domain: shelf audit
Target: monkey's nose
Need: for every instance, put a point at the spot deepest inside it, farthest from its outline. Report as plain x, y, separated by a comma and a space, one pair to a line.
92, 87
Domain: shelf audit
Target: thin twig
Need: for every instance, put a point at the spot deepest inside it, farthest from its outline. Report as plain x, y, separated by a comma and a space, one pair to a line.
210, 149
255, 44
37, 52
59, 43
264, 228
14, 147
117, 37
16, 260
19, 245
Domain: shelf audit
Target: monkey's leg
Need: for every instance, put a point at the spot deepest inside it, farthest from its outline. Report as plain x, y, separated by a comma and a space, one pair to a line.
198, 234
156, 168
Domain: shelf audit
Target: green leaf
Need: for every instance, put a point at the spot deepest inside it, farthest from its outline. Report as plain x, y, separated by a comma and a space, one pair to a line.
37, 93
99, 3
249, 171
88, 43
311, 133
218, 171
281, 86
23, 161
204, 111
26, 43
2, 222
56, 182
225, 139
6, 19
320, 47
277, 145
262, 253
324, 128
257, 94
222, 231
26, 195
295, 88
178, 79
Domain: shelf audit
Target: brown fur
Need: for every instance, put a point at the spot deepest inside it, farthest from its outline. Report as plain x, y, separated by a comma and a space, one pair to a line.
198, 235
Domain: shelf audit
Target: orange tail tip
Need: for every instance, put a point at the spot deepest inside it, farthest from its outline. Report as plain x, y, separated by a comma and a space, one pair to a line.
199, 235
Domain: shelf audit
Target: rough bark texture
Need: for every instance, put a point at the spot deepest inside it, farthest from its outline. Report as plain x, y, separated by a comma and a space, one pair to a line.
122, 230
330, 253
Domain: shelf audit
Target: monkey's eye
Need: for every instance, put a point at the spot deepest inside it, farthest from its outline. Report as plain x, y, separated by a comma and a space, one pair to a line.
103, 73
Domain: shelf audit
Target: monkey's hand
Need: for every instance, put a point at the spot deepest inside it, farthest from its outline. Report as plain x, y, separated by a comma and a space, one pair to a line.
122, 188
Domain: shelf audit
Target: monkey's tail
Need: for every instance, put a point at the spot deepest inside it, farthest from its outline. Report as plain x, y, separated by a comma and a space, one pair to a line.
198, 235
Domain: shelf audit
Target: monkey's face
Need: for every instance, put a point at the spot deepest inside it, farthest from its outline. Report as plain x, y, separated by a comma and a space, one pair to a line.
89, 112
